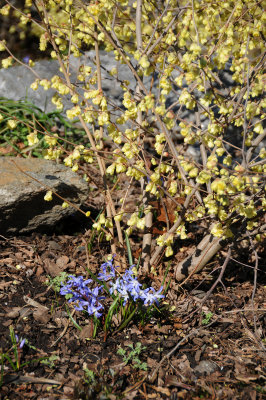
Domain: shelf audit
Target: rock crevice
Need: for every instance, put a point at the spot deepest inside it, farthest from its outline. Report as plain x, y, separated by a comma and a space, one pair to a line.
22, 205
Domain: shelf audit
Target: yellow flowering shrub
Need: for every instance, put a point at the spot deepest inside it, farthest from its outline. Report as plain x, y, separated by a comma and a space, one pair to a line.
184, 59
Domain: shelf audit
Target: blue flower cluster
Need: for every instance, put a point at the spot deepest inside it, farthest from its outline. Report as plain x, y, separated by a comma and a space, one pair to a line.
126, 286
83, 297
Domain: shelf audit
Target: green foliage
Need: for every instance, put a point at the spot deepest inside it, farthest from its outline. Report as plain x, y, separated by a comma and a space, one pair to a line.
89, 376
12, 358
207, 318
50, 361
57, 281
25, 129
132, 356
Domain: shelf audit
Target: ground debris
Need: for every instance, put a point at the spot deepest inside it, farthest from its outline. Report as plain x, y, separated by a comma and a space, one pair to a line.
223, 358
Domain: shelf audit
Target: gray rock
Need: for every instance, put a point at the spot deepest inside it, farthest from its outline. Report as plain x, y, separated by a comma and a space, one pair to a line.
15, 81
15, 84
22, 205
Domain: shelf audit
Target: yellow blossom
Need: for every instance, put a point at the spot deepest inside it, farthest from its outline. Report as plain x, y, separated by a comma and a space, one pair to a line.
181, 231
169, 251
258, 128
2, 45
217, 230
141, 223
12, 123
75, 98
32, 138
219, 186
7, 62
113, 71
51, 140
35, 84
5, 10
203, 177
173, 188
75, 167
48, 196
73, 112
144, 62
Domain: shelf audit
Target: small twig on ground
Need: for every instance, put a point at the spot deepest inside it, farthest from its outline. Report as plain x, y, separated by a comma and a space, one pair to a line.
3, 237
151, 377
219, 279
64, 330
135, 386
255, 284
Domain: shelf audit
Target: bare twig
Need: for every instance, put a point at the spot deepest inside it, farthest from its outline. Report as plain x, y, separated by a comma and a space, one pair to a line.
152, 376
219, 279
206, 249
156, 26
147, 237
254, 284
109, 201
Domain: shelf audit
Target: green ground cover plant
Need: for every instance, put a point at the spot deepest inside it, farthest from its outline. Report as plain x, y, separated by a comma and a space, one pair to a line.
132, 355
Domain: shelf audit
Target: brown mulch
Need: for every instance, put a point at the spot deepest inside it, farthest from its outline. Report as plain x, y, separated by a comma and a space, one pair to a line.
219, 358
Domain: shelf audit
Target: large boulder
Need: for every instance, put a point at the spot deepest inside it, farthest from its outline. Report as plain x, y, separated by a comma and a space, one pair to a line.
23, 185
15, 81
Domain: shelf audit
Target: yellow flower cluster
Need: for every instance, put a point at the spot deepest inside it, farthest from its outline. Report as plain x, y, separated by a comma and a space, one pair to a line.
7, 62
192, 50
32, 138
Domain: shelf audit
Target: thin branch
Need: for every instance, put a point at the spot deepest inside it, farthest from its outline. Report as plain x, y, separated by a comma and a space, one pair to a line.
219, 279
160, 249
152, 377
244, 160
254, 285
84, 125
156, 26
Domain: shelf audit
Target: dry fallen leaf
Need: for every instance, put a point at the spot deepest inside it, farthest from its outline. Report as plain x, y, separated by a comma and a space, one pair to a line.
62, 262
51, 268
247, 378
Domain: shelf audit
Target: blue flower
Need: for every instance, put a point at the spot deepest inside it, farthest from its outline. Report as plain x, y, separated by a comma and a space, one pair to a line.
126, 287
83, 298
134, 284
93, 309
135, 293
150, 298
20, 341
77, 282
124, 293
129, 273
26, 59
115, 286
108, 271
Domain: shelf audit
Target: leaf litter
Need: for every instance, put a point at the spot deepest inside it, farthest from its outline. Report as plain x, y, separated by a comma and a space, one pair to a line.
195, 351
